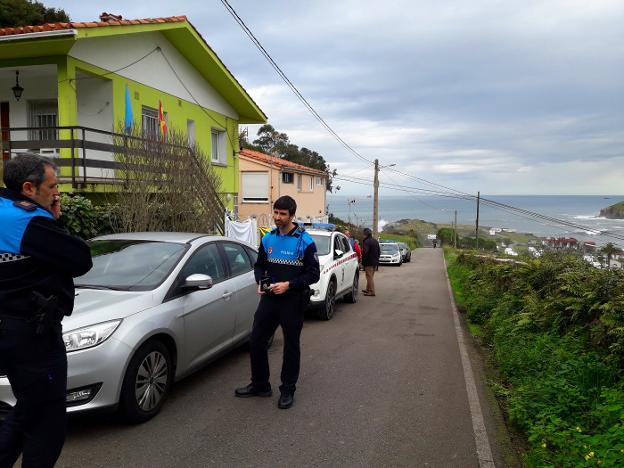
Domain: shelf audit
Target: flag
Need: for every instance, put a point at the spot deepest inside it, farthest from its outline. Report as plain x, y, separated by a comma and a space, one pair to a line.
128, 120
161, 122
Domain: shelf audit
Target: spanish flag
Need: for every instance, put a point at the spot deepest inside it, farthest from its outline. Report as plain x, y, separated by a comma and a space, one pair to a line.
161, 122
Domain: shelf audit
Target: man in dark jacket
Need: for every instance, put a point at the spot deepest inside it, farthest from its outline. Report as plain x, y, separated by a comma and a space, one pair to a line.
370, 260
38, 261
286, 267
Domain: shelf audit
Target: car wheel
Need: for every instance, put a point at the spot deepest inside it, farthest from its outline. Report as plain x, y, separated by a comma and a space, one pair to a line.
329, 307
351, 298
147, 382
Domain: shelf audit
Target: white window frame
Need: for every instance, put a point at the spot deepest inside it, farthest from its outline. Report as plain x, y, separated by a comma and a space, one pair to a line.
292, 177
254, 187
319, 180
299, 182
311, 183
217, 146
43, 113
150, 123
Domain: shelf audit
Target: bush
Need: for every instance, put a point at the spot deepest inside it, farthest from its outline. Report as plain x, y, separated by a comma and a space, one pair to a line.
556, 329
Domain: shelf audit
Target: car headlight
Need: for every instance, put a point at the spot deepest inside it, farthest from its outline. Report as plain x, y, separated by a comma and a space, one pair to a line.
90, 336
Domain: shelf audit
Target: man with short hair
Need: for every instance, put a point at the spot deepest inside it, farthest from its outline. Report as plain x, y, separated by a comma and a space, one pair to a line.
38, 260
370, 260
286, 267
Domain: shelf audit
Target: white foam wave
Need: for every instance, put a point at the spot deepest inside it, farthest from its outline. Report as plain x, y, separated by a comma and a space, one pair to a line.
381, 224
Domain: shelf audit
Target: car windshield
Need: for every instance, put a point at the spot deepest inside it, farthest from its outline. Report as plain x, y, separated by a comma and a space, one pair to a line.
322, 243
130, 265
389, 248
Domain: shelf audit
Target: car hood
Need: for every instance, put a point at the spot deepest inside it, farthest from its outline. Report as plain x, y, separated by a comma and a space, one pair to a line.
96, 306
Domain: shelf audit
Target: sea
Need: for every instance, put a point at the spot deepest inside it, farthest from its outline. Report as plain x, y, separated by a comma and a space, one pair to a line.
580, 212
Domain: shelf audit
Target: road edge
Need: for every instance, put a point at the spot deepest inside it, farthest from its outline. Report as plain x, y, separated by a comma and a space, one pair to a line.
484, 451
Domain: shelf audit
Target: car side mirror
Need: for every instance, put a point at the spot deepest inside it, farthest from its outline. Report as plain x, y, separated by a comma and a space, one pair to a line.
197, 281
338, 253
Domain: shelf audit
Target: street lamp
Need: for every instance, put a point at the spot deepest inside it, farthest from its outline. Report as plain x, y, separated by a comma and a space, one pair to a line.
17, 89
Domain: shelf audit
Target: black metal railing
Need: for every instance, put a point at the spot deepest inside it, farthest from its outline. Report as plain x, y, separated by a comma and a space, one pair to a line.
99, 157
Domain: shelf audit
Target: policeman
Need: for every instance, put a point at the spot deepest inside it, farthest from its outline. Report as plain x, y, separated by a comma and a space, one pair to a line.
286, 267
38, 259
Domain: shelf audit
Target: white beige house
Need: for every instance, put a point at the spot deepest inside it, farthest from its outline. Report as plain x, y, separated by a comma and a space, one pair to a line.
265, 178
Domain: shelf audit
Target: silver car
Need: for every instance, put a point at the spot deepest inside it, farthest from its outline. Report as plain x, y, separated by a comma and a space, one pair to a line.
154, 308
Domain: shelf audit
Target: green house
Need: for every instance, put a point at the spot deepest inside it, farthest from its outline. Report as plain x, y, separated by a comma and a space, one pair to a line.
66, 90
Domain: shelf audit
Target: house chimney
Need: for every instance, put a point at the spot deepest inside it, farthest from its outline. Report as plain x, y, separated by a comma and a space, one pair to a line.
108, 17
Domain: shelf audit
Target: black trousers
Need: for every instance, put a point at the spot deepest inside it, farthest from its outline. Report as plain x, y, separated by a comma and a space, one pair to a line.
287, 311
36, 366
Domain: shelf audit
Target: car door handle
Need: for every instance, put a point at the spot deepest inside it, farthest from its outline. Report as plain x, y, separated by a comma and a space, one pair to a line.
227, 295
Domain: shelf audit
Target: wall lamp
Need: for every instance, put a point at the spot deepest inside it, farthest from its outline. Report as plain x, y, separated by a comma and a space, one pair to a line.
17, 89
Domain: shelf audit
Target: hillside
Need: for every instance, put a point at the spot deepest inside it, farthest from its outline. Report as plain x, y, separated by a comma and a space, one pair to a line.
615, 211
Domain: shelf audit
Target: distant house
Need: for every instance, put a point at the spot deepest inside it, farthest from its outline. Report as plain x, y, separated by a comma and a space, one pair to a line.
65, 89
558, 243
264, 178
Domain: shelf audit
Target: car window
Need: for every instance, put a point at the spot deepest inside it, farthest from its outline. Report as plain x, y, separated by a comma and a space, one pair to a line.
236, 258
205, 261
389, 248
253, 255
338, 243
322, 243
346, 244
130, 265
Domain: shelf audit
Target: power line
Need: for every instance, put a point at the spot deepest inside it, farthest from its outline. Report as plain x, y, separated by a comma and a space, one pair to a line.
289, 83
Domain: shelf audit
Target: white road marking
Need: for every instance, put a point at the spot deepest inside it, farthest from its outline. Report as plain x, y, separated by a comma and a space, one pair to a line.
484, 452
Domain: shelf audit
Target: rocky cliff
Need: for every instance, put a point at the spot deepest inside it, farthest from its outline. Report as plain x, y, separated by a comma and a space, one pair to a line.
614, 211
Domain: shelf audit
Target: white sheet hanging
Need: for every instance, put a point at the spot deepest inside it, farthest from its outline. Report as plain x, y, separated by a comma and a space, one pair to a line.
246, 231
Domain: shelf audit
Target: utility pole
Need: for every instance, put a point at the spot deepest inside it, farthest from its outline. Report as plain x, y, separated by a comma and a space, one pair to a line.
376, 200
455, 231
477, 225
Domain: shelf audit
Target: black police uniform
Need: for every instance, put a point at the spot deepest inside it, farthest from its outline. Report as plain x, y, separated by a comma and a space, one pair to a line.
38, 259
291, 257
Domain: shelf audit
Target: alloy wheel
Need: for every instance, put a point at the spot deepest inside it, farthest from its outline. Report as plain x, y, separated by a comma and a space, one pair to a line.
151, 381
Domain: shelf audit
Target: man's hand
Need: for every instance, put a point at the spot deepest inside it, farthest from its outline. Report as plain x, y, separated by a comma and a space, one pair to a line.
55, 208
260, 291
280, 288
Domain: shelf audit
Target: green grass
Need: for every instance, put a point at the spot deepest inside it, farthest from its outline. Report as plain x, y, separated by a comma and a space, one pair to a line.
409, 240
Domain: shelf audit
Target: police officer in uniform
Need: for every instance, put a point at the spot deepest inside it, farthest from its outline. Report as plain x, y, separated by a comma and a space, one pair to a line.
286, 267
38, 259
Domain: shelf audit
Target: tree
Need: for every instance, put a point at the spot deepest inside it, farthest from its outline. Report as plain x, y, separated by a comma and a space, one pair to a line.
609, 250
15, 13
271, 141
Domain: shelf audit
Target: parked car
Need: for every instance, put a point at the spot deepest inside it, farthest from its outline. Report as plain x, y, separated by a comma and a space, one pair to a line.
406, 253
390, 254
339, 272
154, 308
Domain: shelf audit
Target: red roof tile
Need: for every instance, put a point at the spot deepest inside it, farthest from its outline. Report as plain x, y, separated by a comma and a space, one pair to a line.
279, 162
90, 24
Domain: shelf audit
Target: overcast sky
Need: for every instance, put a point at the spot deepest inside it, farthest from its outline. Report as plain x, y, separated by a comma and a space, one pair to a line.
502, 97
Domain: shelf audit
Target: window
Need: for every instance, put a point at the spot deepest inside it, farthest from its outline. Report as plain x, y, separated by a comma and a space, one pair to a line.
150, 124
311, 184
319, 180
205, 261
43, 114
288, 177
237, 258
255, 187
253, 255
299, 177
346, 245
190, 132
218, 146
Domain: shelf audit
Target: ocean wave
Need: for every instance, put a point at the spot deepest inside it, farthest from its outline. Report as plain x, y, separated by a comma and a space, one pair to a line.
589, 217
381, 224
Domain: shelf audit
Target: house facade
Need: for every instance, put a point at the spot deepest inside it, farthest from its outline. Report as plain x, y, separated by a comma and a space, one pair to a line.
82, 82
265, 178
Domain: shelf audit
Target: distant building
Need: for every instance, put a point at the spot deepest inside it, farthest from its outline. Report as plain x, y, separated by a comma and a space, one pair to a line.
561, 243
265, 178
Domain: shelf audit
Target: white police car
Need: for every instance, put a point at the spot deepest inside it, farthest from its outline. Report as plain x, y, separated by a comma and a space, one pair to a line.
339, 272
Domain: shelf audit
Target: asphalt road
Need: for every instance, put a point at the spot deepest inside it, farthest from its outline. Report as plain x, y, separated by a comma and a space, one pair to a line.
381, 385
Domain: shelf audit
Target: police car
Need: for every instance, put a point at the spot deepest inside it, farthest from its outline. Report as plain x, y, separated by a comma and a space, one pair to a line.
339, 268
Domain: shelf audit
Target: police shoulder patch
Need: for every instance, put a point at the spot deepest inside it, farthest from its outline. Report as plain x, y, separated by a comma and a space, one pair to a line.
25, 205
